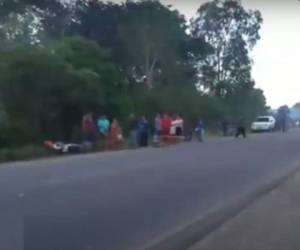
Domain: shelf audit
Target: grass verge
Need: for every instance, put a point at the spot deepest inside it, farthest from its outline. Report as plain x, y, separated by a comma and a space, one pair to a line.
23, 153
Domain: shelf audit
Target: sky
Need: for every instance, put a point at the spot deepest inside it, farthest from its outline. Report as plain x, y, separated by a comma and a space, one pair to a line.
276, 56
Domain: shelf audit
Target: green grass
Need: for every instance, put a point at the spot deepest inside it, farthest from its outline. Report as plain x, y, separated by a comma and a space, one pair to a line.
23, 153
31, 152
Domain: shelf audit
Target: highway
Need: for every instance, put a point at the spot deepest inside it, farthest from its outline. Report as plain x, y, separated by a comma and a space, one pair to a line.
128, 199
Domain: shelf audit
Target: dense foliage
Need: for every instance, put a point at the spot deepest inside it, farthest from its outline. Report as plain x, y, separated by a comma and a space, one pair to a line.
60, 59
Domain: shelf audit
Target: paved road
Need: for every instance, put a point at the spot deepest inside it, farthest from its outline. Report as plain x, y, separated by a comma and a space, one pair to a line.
271, 222
124, 200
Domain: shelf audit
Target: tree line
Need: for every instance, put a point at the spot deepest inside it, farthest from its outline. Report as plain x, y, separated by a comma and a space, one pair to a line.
60, 59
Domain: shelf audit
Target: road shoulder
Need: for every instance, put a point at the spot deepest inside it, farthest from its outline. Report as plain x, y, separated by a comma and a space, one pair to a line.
272, 222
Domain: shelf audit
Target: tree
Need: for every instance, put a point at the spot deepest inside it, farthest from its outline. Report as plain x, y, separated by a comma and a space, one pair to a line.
67, 58
18, 28
27, 21
32, 92
98, 21
88, 59
146, 39
251, 105
282, 117
46, 90
283, 112
153, 37
232, 31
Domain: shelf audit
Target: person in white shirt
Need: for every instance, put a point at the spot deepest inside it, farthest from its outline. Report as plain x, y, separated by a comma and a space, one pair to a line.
177, 126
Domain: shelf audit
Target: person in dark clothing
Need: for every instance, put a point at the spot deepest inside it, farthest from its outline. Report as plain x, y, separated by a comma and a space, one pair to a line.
241, 129
179, 123
200, 130
157, 130
89, 128
284, 125
143, 131
133, 126
157, 125
188, 130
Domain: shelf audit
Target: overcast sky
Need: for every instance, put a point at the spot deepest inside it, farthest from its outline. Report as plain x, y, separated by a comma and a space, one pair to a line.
276, 56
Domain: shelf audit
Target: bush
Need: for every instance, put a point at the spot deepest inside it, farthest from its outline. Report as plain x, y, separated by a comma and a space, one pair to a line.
24, 153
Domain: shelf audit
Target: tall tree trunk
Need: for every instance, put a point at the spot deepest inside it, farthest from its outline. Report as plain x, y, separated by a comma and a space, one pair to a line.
150, 66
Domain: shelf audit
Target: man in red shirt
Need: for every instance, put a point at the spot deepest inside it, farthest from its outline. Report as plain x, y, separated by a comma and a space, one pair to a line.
166, 123
89, 129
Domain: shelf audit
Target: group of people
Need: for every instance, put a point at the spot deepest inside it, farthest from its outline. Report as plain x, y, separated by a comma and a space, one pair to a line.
140, 129
110, 134
102, 130
168, 125
165, 125
175, 126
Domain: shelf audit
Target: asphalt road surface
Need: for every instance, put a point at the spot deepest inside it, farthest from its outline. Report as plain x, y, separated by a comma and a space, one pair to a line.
124, 200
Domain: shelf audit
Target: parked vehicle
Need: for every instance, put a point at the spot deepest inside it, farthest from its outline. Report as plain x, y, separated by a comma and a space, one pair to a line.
263, 123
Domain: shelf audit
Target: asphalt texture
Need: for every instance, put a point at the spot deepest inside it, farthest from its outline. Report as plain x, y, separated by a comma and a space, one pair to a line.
270, 223
126, 200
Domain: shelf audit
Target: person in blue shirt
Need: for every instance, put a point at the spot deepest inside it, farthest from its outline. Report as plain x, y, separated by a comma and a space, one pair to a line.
103, 125
157, 124
200, 130
143, 132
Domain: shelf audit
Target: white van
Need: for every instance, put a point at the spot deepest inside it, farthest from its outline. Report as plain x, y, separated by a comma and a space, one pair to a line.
263, 123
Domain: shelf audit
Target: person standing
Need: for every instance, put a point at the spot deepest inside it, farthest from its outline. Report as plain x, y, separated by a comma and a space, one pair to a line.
143, 131
173, 125
188, 130
200, 130
115, 136
241, 129
89, 129
179, 126
103, 126
284, 125
157, 129
132, 126
157, 124
166, 123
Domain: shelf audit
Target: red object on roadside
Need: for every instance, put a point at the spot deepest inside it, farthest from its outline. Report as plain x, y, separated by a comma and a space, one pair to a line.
88, 124
166, 123
115, 137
